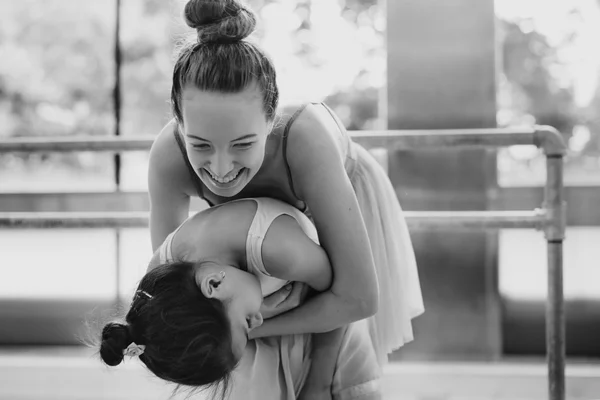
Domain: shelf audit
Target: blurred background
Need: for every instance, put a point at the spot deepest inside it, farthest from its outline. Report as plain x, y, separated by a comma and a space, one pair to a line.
401, 65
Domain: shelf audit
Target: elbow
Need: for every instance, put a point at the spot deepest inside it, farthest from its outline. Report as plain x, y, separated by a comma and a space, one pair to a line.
361, 307
367, 307
550, 141
358, 302
367, 304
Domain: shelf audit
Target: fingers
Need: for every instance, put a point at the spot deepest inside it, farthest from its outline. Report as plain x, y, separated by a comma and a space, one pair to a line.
273, 300
288, 297
284, 293
297, 287
295, 296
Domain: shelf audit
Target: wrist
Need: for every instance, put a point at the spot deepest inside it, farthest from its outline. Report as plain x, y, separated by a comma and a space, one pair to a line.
257, 333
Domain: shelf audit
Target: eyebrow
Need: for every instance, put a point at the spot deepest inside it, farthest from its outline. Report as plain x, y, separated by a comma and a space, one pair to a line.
248, 136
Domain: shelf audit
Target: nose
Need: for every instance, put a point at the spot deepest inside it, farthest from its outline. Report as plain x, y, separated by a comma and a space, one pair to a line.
256, 320
221, 165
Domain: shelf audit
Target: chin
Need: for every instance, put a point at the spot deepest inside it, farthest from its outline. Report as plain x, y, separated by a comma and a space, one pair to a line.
226, 193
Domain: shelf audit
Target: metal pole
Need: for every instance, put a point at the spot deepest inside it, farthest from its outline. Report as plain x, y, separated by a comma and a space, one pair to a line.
475, 220
118, 267
48, 220
117, 156
398, 140
117, 90
74, 144
443, 138
440, 220
555, 312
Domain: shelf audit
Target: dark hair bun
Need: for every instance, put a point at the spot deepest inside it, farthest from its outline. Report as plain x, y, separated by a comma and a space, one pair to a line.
115, 339
219, 21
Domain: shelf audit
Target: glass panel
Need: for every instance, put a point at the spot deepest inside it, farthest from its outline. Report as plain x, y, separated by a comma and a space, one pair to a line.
134, 171
58, 264
56, 79
147, 32
549, 76
135, 254
523, 264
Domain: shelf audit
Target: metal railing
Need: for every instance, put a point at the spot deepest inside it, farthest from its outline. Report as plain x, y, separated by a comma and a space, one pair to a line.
550, 217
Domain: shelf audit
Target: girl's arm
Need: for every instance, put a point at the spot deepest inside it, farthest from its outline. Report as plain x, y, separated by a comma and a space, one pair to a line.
320, 179
167, 174
288, 253
324, 357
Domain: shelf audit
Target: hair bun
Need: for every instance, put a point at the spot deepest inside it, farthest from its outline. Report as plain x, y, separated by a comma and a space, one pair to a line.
219, 21
115, 339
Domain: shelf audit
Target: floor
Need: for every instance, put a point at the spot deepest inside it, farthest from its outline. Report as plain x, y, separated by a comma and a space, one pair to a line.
66, 374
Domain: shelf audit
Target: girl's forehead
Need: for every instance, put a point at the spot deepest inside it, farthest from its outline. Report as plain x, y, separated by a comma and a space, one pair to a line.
250, 94
224, 114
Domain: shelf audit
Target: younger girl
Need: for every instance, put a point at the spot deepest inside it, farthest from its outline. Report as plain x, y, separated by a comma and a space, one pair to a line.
194, 317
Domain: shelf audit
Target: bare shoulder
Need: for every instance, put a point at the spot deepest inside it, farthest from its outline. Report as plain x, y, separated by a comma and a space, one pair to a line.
314, 145
225, 225
235, 215
167, 166
165, 155
288, 253
314, 128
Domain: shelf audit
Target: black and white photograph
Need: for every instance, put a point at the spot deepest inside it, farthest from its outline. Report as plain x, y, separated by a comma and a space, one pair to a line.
300, 200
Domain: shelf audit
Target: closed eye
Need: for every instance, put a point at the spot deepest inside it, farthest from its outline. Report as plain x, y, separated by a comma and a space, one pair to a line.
243, 146
201, 146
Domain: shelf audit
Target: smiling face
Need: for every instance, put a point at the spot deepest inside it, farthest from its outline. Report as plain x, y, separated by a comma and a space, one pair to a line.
241, 294
225, 136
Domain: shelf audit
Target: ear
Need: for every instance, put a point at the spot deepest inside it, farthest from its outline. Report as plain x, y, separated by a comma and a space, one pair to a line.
211, 285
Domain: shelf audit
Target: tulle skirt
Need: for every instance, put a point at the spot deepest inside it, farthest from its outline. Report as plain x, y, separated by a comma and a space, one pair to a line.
400, 298
277, 367
272, 368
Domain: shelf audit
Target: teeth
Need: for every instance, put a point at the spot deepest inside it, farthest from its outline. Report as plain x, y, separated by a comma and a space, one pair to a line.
224, 180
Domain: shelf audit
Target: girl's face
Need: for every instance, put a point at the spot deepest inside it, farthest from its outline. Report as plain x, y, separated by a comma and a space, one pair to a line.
241, 294
225, 136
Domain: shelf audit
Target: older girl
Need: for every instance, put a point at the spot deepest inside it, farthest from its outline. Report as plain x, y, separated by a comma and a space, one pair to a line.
228, 140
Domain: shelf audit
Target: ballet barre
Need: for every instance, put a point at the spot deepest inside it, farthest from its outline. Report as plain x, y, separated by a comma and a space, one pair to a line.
549, 218
418, 220
544, 137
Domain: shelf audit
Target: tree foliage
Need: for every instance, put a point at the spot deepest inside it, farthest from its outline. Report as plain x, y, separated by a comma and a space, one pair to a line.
534, 79
58, 68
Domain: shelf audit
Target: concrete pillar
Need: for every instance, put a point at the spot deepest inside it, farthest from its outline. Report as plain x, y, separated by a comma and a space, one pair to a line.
441, 74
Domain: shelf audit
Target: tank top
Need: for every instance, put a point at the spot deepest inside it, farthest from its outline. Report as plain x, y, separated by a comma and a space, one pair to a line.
267, 210
273, 184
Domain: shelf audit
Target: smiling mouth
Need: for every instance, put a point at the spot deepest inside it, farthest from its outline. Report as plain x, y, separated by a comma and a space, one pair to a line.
227, 180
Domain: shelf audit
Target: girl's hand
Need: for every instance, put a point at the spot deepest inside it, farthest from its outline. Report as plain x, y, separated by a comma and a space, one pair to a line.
283, 300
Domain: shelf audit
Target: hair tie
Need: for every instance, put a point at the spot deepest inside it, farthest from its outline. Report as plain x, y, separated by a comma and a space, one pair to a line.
134, 350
